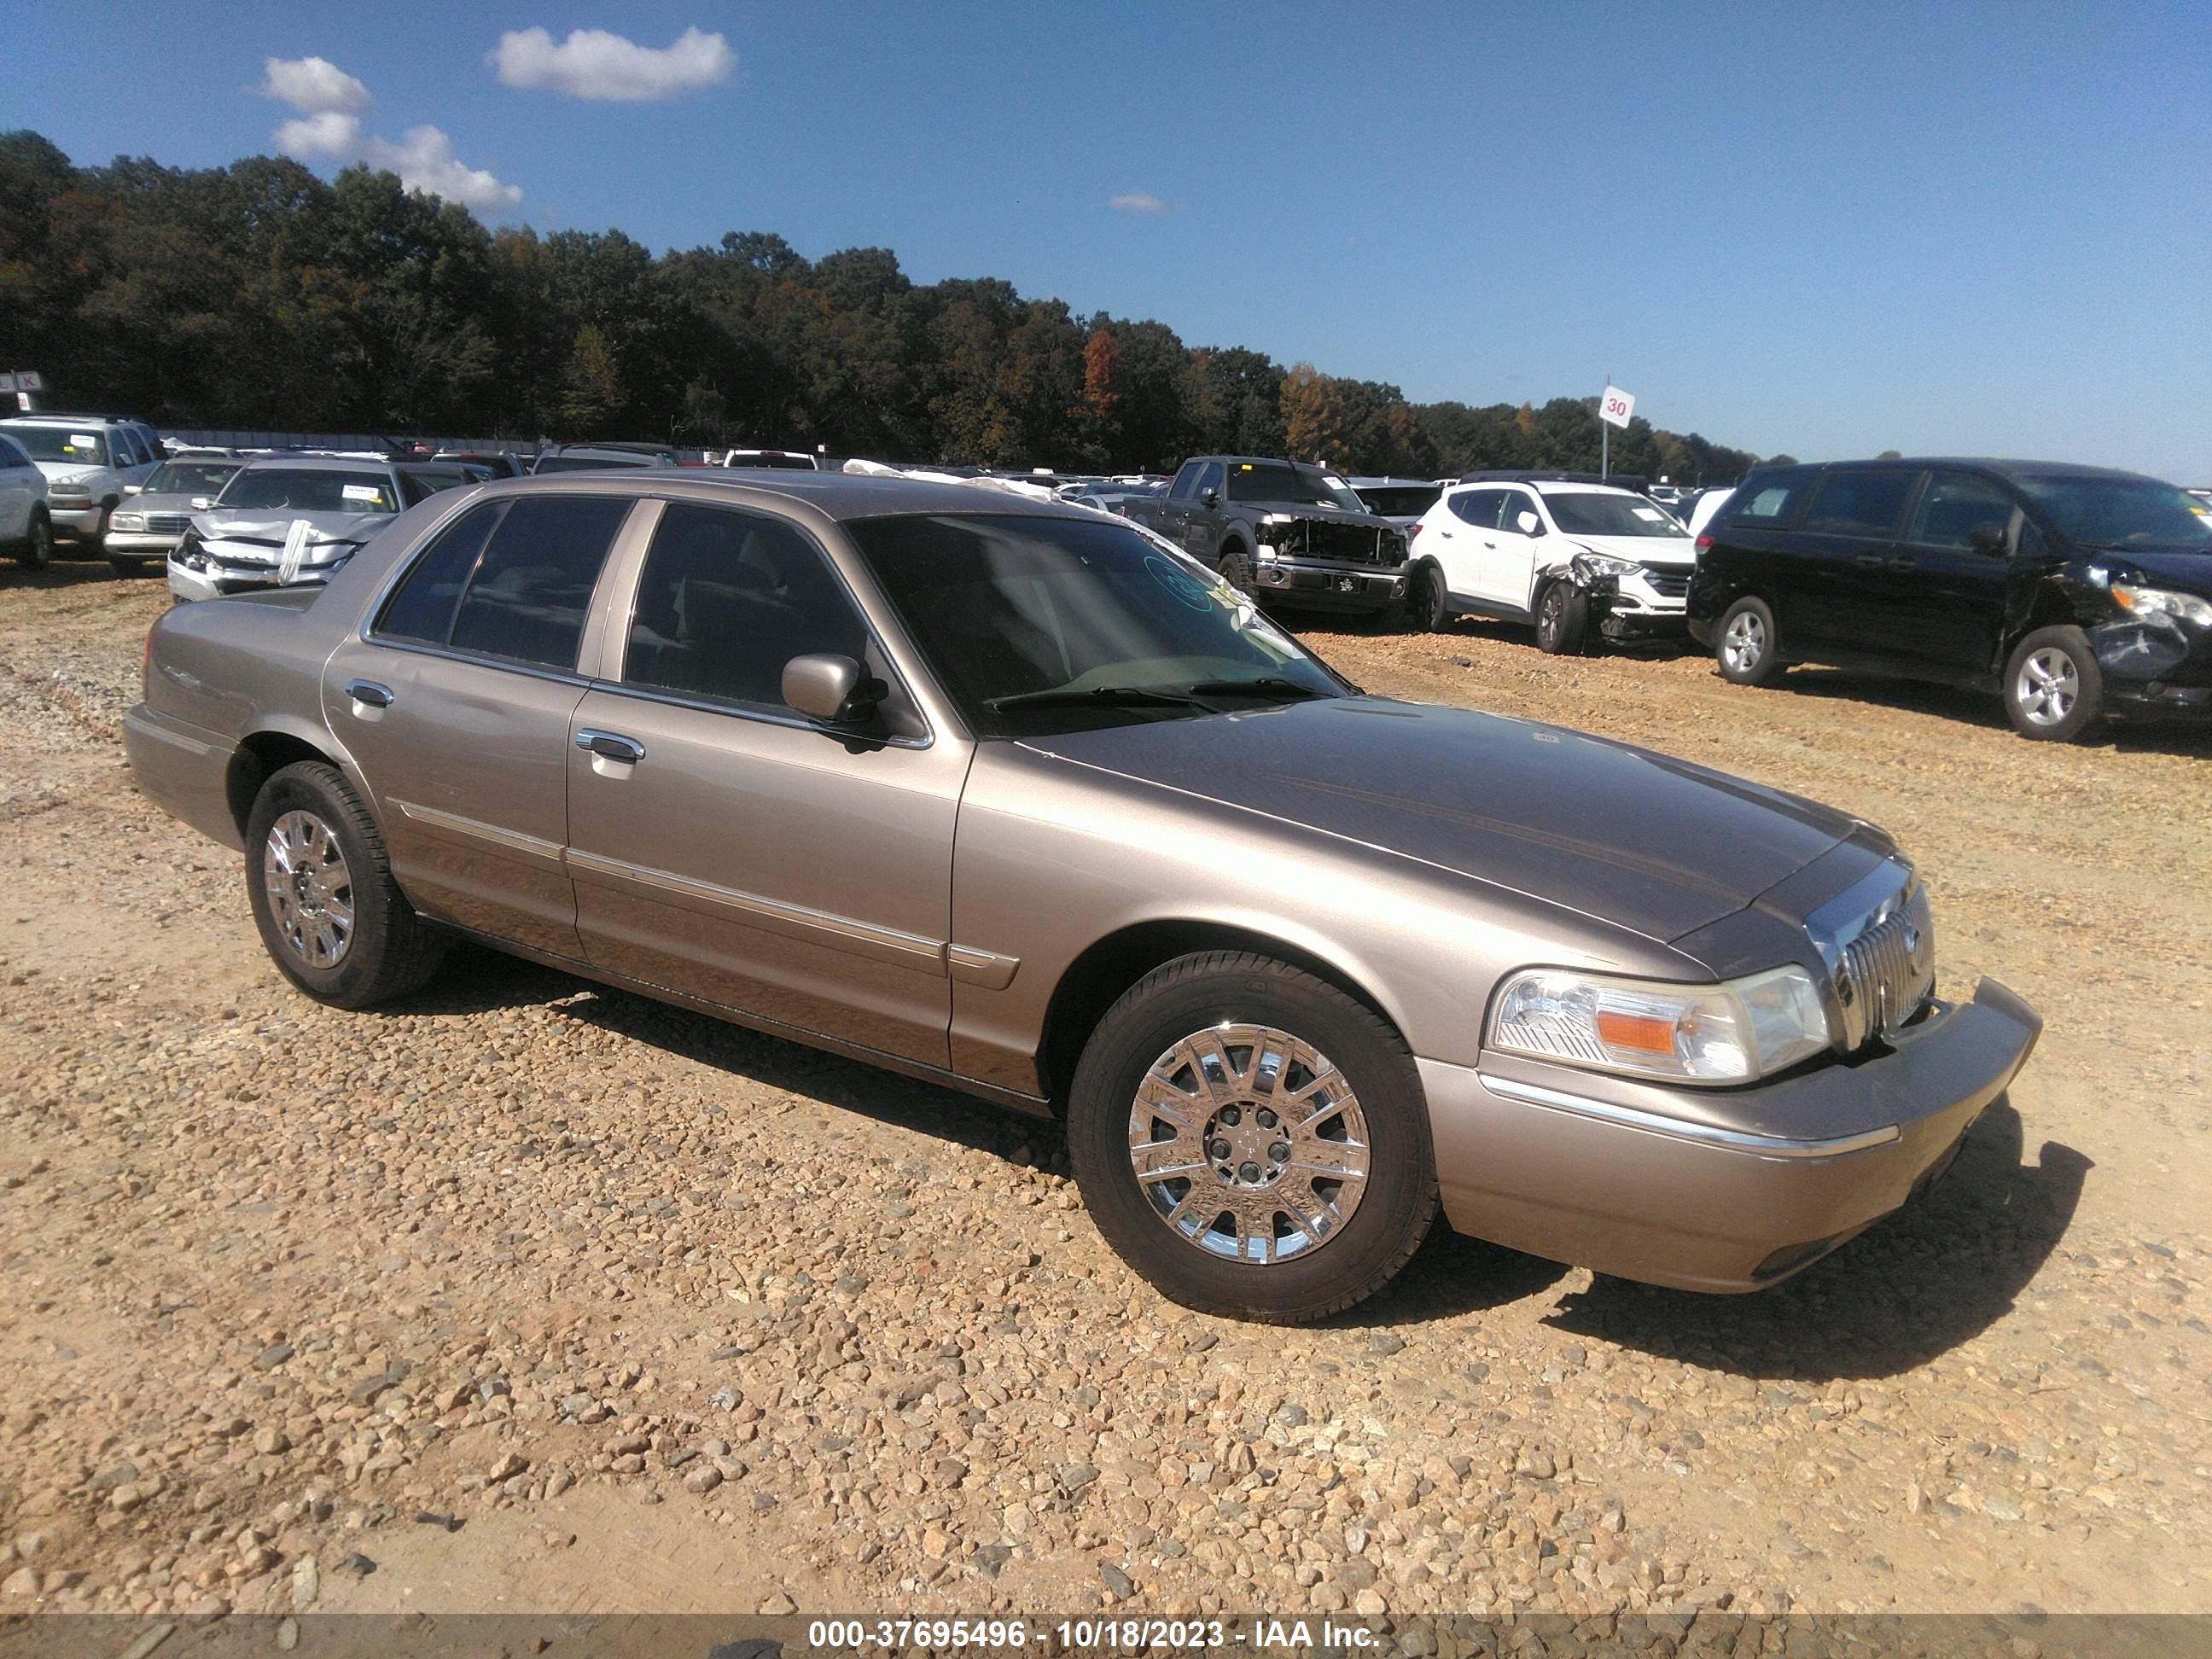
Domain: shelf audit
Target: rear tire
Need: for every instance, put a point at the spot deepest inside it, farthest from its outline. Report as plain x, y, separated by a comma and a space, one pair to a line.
1421, 610
2054, 691
1744, 648
330, 917
1562, 619
1226, 1239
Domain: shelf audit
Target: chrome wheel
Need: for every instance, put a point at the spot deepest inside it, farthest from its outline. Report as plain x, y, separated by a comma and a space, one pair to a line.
1743, 645
2048, 686
1247, 1144
310, 889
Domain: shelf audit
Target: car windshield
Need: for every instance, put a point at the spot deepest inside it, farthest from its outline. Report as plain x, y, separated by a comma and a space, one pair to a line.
1041, 624
1400, 501
1279, 480
61, 443
189, 477
308, 489
2121, 512
1587, 513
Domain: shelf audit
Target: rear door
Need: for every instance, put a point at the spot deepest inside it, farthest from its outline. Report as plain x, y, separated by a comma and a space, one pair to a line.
456, 706
1948, 611
728, 848
1474, 537
1852, 564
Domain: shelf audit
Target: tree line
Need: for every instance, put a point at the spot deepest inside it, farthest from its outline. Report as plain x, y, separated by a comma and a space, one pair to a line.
257, 294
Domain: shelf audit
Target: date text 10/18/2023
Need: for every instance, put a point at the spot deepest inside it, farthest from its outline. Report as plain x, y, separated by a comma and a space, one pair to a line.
1066, 1635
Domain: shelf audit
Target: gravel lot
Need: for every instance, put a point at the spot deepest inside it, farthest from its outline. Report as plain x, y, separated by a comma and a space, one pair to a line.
530, 1295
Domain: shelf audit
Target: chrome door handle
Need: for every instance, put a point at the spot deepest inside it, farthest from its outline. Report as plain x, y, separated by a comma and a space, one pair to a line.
1446, 534
610, 745
369, 692
1870, 562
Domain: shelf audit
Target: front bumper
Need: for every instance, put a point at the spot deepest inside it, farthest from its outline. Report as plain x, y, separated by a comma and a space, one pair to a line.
74, 524
2155, 668
219, 578
1715, 1190
1326, 584
142, 543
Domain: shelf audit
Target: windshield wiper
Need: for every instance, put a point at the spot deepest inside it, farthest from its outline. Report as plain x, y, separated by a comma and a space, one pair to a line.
1117, 697
1264, 684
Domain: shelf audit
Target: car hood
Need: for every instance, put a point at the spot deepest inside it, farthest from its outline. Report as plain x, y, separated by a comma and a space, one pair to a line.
1314, 510
1642, 549
1624, 835
258, 534
2191, 572
67, 471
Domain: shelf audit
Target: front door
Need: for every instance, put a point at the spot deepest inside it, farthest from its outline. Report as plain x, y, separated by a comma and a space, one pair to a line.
725, 848
457, 708
1948, 613
1506, 569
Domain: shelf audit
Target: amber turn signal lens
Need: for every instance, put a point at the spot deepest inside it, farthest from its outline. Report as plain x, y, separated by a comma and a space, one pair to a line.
1639, 1032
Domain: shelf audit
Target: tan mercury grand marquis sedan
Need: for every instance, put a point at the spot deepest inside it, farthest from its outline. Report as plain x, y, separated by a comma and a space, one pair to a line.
1014, 797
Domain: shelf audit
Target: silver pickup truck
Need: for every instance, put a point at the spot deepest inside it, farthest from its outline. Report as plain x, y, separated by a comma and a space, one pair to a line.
1008, 796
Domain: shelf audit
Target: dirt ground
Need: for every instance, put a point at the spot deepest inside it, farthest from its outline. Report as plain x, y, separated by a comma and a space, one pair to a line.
533, 1295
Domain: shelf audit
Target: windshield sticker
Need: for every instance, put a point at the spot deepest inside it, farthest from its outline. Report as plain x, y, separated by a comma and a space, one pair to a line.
363, 493
83, 441
1186, 589
1650, 513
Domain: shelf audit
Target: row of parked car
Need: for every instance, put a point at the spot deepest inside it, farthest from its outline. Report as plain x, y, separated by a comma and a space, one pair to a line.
2074, 593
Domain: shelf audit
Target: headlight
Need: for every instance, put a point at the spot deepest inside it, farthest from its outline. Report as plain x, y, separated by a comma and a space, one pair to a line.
127, 521
1736, 1032
74, 491
1603, 564
2163, 602
1278, 517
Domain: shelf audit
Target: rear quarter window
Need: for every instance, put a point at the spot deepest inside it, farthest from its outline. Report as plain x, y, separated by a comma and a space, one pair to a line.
1768, 499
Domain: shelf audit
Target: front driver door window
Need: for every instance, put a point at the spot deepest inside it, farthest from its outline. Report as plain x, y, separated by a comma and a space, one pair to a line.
1948, 602
796, 874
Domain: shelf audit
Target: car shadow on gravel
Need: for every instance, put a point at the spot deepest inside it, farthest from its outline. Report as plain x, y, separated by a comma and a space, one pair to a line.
65, 573
1980, 708
475, 980
1934, 1275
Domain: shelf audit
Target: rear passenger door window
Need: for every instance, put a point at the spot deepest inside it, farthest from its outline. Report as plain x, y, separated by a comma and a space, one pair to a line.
509, 580
725, 599
1866, 504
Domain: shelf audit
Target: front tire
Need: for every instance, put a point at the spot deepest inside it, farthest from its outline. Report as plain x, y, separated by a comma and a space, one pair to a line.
1235, 569
2054, 691
1562, 619
1252, 1141
38, 549
1744, 648
330, 917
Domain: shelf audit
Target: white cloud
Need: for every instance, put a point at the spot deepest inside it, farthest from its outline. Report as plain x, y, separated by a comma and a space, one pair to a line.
595, 63
331, 135
314, 85
1137, 201
424, 159
328, 131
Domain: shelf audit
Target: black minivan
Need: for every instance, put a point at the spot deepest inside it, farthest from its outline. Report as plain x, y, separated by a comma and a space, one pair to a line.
2076, 592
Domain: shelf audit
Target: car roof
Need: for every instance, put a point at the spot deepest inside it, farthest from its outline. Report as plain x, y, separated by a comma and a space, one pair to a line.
1392, 483
839, 495
2003, 468
316, 463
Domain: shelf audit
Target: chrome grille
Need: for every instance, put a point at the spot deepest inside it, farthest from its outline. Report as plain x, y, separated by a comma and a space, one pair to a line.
167, 524
1885, 973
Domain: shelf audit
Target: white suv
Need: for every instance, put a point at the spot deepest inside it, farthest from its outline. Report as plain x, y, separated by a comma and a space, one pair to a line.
91, 462
1565, 553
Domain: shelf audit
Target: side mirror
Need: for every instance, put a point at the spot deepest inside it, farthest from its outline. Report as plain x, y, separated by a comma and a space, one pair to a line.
835, 690
131, 489
1530, 523
1988, 539
1209, 498
201, 503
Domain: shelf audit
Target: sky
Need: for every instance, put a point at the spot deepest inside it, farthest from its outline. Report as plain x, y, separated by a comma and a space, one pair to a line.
1829, 231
